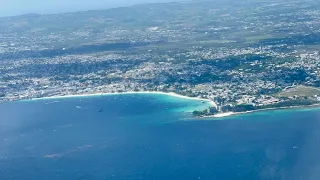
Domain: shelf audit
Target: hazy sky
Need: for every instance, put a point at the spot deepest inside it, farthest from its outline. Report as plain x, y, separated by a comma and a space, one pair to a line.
17, 7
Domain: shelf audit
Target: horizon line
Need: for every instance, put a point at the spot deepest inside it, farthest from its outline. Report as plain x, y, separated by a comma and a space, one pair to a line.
88, 10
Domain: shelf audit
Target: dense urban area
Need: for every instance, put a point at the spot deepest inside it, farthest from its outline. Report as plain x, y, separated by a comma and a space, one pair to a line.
243, 55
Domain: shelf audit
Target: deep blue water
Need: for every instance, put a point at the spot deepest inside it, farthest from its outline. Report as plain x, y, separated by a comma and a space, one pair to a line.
153, 137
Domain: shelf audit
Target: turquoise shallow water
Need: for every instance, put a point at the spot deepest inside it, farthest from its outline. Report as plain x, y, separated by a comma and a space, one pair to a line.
147, 136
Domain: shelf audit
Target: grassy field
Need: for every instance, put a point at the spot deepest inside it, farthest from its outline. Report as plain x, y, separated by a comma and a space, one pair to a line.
300, 91
254, 39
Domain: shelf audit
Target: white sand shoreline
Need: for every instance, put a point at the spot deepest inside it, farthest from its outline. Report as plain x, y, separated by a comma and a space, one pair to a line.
129, 92
219, 115
212, 103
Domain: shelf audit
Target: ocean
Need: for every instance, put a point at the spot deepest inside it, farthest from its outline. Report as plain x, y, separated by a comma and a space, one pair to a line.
153, 137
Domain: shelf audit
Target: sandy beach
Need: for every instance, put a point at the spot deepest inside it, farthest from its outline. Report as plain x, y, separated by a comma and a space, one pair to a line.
212, 103
223, 114
118, 93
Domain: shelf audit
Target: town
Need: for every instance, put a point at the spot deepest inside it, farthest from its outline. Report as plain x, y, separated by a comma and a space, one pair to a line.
244, 58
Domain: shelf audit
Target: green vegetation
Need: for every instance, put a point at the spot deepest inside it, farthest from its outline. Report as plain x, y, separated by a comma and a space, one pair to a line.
289, 103
250, 107
206, 112
257, 38
300, 91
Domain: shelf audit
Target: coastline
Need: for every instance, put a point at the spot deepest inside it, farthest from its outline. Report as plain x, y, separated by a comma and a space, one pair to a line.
227, 114
212, 103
